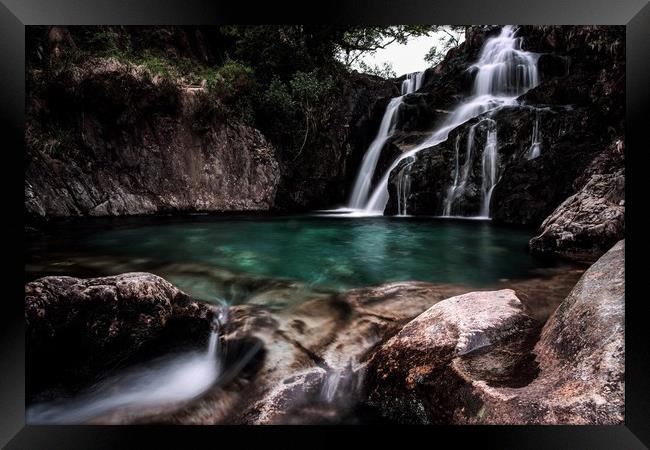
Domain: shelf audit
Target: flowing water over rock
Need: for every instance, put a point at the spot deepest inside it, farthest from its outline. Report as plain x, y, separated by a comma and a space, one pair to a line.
166, 382
535, 144
502, 73
362, 183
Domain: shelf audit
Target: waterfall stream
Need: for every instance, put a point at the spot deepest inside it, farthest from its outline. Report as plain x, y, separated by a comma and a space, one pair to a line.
165, 382
503, 72
362, 183
535, 144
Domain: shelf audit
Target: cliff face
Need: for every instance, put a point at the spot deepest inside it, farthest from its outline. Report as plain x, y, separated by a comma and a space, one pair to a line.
105, 137
109, 136
575, 115
321, 175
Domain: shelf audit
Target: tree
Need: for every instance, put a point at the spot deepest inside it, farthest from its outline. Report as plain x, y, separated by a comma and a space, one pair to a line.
450, 36
385, 70
356, 41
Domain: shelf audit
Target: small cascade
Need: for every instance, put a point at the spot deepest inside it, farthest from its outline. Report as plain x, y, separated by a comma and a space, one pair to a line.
166, 382
503, 72
460, 176
363, 180
412, 83
535, 148
403, 188
489, 169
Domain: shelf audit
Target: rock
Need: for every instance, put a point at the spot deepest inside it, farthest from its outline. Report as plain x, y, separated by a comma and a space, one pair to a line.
77, 327
586, 224
138, 145
311, 355
408, 377
456, 365
578, 106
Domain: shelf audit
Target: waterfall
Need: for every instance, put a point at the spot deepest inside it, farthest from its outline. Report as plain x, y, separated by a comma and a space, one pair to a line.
171, 380
503, 72
535, 148
362, 182
460, 178
489, 169
403, 188
412, 83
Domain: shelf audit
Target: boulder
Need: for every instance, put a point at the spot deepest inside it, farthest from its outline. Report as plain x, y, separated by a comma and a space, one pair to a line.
76, 328
409, 378
473, 359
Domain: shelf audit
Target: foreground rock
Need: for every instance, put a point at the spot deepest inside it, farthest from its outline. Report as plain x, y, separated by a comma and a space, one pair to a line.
410, 378
455, 364
79, 326
588, 223
304, 362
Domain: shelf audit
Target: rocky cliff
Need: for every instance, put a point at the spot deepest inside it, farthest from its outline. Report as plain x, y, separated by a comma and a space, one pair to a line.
550, 144
116, 133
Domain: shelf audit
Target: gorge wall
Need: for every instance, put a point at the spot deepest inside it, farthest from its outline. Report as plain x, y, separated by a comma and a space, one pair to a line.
559, 139
109, 134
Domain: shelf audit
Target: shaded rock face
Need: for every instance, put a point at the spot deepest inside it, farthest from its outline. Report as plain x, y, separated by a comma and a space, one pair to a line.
448, 366
76, 327
588, 222
578, 108
131, 144
323, 173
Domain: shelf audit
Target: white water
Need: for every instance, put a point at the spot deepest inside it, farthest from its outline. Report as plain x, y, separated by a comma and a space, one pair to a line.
503, 72
489, 168
460, 177
169, 381
535, 148
361, 188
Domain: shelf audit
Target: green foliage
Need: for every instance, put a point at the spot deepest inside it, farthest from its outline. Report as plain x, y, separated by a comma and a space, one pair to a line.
356, 41
308, 88
450, 36
384, 71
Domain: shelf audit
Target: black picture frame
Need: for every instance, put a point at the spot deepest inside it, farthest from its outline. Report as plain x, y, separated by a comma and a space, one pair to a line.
16, 14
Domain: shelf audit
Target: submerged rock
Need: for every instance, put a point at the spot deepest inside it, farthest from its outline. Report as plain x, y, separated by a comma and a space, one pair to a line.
470, 359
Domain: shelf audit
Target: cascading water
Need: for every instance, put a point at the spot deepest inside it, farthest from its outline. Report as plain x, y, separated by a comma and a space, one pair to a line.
535, 144
359, 196
169, 381
503, 72
460, 177
412, 83
489, 168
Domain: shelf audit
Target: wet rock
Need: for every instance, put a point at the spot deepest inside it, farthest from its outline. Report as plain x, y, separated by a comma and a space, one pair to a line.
409, 377
78, 327
433, 371
586, 224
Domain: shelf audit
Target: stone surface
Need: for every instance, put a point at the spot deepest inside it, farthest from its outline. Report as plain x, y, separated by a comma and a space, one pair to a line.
589, 222
408, 378
460, 363
76, 328
140, 149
